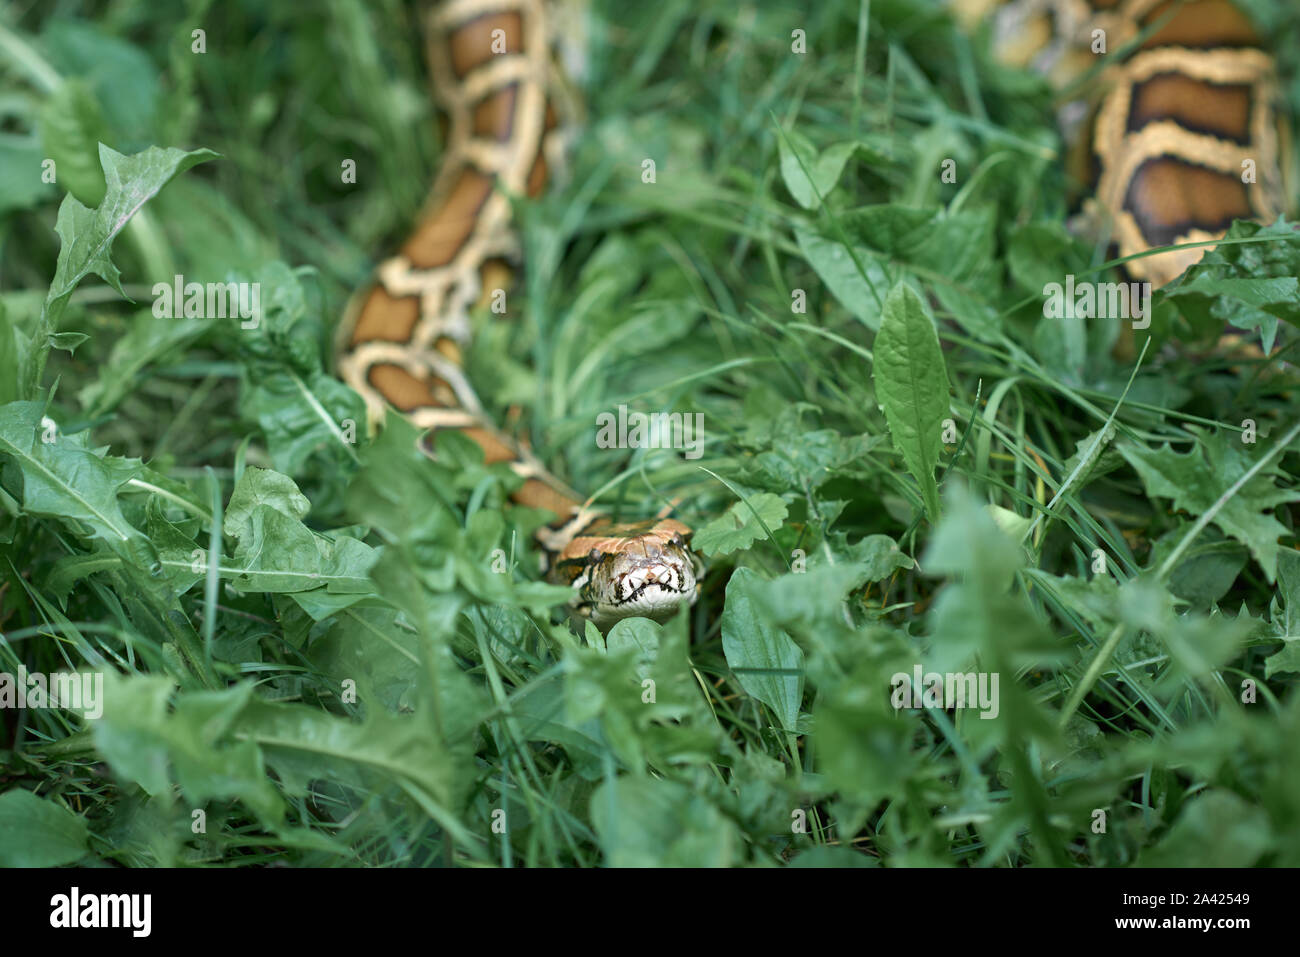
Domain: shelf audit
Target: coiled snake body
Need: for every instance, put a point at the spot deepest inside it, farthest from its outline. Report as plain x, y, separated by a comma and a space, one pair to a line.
1187, 99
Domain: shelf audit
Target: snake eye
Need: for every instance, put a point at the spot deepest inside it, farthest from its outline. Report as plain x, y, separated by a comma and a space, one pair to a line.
594, 555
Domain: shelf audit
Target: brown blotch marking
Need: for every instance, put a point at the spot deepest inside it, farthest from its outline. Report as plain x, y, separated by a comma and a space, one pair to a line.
450, 348
1201, 24
471, 43
537, 494
494, 450
1169, 196
441, 235
494, 274
1221, 110
386, 318
537, 176
494, 117
408, 392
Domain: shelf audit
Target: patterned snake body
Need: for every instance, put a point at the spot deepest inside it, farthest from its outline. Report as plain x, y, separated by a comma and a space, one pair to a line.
511, 113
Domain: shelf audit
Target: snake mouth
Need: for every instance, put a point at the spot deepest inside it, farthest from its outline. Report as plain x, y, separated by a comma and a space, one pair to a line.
632, 584
652, 583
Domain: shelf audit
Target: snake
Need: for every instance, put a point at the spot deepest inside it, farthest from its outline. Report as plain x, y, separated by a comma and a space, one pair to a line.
511, 114
1186, 98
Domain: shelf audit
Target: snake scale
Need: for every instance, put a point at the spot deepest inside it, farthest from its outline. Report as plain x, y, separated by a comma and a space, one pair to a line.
1185, 100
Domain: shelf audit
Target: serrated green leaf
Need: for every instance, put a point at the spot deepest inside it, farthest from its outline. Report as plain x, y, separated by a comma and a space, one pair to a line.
200, 740
301, 414
64, 480
1250, 285
739, 526
87, 234
1196, 480
37, 832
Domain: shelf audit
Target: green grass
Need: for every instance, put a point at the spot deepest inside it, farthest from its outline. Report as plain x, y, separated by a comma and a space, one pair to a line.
307, 641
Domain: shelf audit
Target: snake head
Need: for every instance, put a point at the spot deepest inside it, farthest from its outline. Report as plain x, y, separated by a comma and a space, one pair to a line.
620, 571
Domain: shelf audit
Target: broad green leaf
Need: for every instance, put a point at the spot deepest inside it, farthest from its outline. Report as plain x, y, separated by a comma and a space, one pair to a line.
71, 130
808, 176
366, 644
767, 662
861, 295
37, 832
87, 234
1217, 828
262, 487
1207, 569
802, 456
278, 553
1012, 525
912, 388
15, 345
1284, 660
302, 744
1042, 253
811, 598
832, 857
739, 526
22, 186
978, 613
71, 569
878, 555
1093, 457
862, 746
122, 76
958, 245
652, 822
